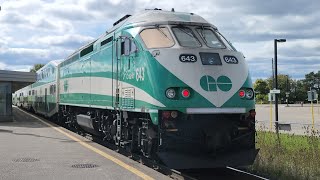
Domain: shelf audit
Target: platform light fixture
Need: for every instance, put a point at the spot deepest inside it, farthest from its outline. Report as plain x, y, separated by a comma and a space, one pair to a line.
276, 79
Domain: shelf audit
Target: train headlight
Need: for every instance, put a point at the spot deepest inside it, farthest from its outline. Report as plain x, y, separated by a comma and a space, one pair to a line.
249, 94
170, 93
174, 114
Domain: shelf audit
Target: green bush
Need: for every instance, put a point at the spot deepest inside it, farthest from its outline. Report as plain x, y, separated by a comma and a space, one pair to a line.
289, 157
261, 99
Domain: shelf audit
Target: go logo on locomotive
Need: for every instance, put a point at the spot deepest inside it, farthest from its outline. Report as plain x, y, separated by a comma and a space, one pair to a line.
208, 83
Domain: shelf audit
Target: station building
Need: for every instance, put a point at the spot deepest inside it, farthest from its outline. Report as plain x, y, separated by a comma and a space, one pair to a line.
11, 81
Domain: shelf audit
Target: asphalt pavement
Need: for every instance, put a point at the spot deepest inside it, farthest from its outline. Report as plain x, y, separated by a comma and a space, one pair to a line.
32, 148
300, 118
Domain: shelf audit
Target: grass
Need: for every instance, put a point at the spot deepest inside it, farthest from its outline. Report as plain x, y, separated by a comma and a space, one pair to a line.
289, 157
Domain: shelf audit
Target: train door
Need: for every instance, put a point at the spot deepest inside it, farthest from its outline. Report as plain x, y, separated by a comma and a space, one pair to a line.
130, 73
116, 69
122, 71
121, 53
116, 84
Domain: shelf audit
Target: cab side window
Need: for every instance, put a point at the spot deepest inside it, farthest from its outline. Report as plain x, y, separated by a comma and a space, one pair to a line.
128, 47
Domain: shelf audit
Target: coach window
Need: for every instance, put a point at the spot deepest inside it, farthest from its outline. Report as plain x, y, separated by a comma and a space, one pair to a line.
210, 38
185, 37
157, 37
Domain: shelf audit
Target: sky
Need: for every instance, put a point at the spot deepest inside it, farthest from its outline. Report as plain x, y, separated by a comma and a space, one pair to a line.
38, 31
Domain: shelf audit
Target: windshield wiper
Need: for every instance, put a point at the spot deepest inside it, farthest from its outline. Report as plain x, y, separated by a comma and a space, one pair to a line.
186, 32
203, 36
159, 29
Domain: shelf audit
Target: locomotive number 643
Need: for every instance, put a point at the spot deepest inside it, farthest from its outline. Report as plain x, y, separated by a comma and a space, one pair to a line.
188, 58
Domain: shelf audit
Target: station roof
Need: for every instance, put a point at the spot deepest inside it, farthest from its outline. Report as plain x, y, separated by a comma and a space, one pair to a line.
18, 79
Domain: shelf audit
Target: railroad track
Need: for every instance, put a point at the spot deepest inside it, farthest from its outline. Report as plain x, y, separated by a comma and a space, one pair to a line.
222, 173
190, 174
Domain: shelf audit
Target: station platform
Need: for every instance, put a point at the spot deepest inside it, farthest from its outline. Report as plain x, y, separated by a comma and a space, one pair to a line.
33, 148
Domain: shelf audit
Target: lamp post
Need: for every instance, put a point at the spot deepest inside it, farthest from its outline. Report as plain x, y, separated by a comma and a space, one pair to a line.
276, 79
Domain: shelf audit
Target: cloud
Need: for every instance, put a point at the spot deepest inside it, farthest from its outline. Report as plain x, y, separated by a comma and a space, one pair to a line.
37, 31
71, 41
104, 10
70, 12
44, 24
21, 6
4, 66
23, 56
4, 41
13, 18
275, 7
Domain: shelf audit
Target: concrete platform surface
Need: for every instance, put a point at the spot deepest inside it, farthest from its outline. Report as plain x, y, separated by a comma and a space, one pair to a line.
30, 149
299, 118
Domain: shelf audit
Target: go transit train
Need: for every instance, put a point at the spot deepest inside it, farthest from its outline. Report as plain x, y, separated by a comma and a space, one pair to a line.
164, 84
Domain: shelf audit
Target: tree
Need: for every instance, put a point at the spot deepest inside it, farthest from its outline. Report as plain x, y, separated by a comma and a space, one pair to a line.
261, 87
284, 82
312, 80
36, 67
261, 98
297, 88
298, 91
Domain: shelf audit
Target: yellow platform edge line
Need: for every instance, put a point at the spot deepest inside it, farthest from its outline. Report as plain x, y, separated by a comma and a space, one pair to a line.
104, 154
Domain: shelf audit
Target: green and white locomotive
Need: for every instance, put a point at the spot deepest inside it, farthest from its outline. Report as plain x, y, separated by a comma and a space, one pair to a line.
164, 84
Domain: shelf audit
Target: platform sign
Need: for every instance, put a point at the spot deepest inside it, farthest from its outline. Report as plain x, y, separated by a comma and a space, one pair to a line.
271, 97
275, 91
287, 94
312, 95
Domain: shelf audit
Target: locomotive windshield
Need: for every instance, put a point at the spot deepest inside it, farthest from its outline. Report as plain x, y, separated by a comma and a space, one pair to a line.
210, 38
157, 38
227, 43
160, 37
186, 37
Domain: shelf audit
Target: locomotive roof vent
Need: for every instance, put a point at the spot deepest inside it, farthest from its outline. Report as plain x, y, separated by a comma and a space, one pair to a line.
123, 18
